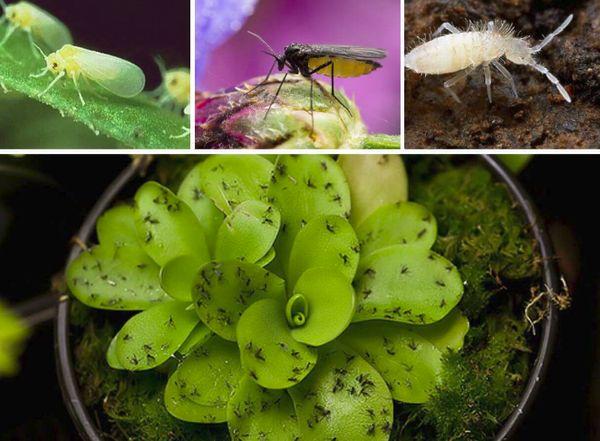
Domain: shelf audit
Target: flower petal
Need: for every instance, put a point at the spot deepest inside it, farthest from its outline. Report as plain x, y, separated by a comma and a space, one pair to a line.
397, 224
149, 338
125, 278
167, 226
223, 290
325, 241
269, 353
407, 284
330, 299
248, 233
343, 398
258, 413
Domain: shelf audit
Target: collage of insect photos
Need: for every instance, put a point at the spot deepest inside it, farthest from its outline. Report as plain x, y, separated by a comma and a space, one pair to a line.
299, 220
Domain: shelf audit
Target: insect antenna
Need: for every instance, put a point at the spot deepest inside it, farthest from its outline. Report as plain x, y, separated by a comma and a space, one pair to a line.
272, 52
551, 36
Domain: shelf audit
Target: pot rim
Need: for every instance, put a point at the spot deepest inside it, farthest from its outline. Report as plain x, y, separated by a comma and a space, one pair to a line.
67, 377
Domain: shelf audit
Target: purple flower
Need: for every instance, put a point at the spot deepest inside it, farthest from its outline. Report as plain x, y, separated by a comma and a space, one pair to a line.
216, 20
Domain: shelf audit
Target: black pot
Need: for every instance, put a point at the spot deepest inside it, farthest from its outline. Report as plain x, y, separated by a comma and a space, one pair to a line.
86, 426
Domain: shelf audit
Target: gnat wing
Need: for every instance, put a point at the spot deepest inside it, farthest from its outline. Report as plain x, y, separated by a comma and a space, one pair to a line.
48, 29
116, 75
363, 53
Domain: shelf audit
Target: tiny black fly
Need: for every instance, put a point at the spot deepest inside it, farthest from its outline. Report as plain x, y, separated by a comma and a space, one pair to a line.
330, 60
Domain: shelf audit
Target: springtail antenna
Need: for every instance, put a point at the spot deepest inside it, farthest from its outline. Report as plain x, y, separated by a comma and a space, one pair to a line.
37, 47
263, 41
538, 47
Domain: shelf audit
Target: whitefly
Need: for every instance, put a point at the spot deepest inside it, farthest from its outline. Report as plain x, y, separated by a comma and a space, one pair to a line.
481, 45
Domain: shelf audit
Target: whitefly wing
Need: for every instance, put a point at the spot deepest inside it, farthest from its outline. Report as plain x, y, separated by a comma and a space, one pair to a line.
116, 75
357, 52
48, 29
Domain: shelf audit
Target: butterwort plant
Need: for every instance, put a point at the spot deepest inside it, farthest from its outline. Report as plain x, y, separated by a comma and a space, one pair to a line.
295, 297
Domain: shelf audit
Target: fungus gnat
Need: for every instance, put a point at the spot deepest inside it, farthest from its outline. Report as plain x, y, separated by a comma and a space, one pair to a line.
480, 45
118, 76
37, 23
330, 60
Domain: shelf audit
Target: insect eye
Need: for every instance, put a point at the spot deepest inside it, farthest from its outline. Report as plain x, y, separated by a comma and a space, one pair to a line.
173, 82
55, 65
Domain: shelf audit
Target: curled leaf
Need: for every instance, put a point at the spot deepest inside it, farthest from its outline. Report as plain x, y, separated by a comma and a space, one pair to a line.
270, 355
149, 338
223, 290
125, 278
407, 284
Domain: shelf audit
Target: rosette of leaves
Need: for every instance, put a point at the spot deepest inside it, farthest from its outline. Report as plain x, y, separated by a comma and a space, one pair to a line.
291, 299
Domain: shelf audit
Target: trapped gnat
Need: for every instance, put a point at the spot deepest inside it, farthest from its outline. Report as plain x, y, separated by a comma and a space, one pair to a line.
37, 23
481, 45
120, 77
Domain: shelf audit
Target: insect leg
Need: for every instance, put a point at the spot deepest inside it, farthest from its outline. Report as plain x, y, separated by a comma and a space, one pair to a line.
455, 79
10, 31
265, 80
74, 78
34, 47
333, 91
488, 80
51, 85
446, 27
312, 111
276, 95
538, 47
543, 70
506, 74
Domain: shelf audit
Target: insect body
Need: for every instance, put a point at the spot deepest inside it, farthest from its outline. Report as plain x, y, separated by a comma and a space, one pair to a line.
330, 60
114, 74
486, 45
37, 23
175, 88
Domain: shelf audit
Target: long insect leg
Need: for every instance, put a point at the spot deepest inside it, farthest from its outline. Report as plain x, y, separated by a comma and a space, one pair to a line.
263, 81
312, 111
51, 85
74, 78
538, 47
506, 74
455, 79
543, 70
276, 95
446, 27
487, 73
10, 31
34, 47
333, 91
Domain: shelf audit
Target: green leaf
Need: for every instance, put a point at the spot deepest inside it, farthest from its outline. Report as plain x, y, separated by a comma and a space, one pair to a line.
229, 180
381, 142
149, 338
13, 332
327, 242
267, 258
136, 122
209, 374
167, 227
116, 227
330, 299
206, 211
111, 354
200, 335
177, 277
397, 224
269, 352
343, 398
374, 180
303, 187
184, 409
223, 290
407, 284
248, 233
256, 413
409, 363
446, 334
121, 279
515, 163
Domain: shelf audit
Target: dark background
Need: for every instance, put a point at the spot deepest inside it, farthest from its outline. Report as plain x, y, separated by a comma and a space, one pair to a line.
46, 216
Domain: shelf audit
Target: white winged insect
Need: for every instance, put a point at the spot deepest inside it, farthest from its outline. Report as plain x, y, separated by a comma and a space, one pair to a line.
119, 77
175, 88
481, 45
37, 23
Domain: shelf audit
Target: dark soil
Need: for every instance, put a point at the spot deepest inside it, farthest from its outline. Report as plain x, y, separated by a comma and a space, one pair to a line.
540, 118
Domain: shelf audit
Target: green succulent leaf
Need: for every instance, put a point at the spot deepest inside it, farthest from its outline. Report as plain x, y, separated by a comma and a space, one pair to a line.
206, 211
200, 335
209, 374
149, 338
407, 284
117, 227
125, 278
256, 413
397, 224
111, 355
177, 276
223, 290
229, 180
269, 352
447, 334
325, 241
409, 363
13, 332
182, 408
344, 398
374, 180
330, 305
267, 258
248, 233
303, 187
167, 227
